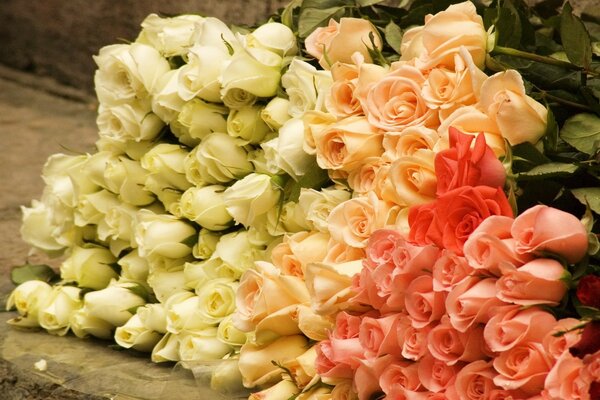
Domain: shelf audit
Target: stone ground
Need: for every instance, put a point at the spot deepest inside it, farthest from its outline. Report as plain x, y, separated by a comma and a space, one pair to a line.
34, 123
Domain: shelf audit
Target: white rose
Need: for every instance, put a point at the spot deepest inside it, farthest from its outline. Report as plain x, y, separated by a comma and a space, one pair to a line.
166, 283
291, 156
306, 87
126, 178
27, 299
237, 250
276, 112
207, 243
118, 223
64, 176
219, 158
200, 77
289, 218
90, 266
251, 197
93, 169
158, 263
247, 124
163, 235
166, 161
38, 229
170, 36
166, 101
136, 149
56, 311
185, 315
92, 207
229, 334
214, 32
317, 205
199, 119
134, 267
126, 72
274, 37
83, 325
202, 345
114, 303
169, 197
198, 274
216, 299
206, 206
154, 317
226, 377
135, 335
167, 349
263, 159
128, 122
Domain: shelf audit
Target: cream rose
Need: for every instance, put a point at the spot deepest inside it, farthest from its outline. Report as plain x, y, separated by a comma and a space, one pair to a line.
38, 228
202, 345
27, 298
126, 177
330, 285
83, 325
200, 77
412, 179
165, 162
170, 36
93, 207
166, 283
317, 205
306, 87
154, 317
113, 304
206, 206
134, 335
251, 197
166, 101
130, 121
274, 37
163, 235
217, 299
408, 142
91, 266
247, 124
289, 153
199, 119
276, 112
239, 251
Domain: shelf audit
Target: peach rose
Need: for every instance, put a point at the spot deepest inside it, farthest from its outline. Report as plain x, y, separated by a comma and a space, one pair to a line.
340, 252
449, 345
413, 340
537, 282
443, 34
352, 222
343, 391
314, 123
264, 291
450, 270
347, 326
340, 40
330, 368
395, 102
511, 326
330, 285
445, 90
422, 303
471, 302
408, 142
472, 121
363, 179
542, 229
366, 378
308, 247
378, 336
398, 377
557, 345
436, 375
345, 144
519, 117
492, 245
413, 179
566, 379
382, 246
474, 382
523, 367
342, 101
367, 292
283, 258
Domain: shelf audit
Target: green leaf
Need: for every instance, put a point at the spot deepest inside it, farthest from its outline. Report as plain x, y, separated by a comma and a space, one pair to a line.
549, 170
582, 131
393, 35
287, 15
551, 135
365, 3
191, 240
588, 196
31, 272
508, 26
575, 38
139, 291
588, 312
313, 18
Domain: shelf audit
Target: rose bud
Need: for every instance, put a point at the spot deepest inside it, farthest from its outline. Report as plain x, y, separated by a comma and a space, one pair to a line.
589, 342
588, 291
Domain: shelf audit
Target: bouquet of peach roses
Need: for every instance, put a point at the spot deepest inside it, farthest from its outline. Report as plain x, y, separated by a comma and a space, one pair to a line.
354, 200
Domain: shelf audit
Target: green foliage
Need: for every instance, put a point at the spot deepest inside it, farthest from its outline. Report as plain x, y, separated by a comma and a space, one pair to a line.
575, 38
30, 272
582, 131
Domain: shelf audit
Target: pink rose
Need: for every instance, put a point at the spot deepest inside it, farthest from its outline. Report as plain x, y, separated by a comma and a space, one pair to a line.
422, 303
413, 340
400, 376
436, 375
382, 246
537, 282
366, 378
327, 366
556, 345
461, 165
449, 345
542, 229
367, 291
524, 367
475, 381
472, 302
347, 326
491, 245
511, 326
450, 270
566, 379
378, 336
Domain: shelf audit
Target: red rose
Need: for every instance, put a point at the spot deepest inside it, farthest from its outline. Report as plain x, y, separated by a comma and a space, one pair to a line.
588, 291
420, 219
589, 342
461, 165
595, 391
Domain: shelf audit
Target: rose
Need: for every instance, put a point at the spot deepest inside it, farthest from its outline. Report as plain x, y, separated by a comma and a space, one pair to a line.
317, 205
343, 391
274, 37
303, 368
289, 154
546, 229
413, 340
217, 299
126, 178
165, 283
126, 72
207, 242
167, 349
130, 121
38, 228
206, 206
462, 166
306, 87
471, 302
412, 179
298, 250
366, 378
330, 285
27, 298
166, 102
588, 344
288, 218
408, 142
455, 215
450, 270
395, 102
565, 380
537, 282
55, 311
342, 101
162, 234
436, 375
276, 112
502, 97
82, 325
475, 381
118, 223
200, 76
562, 336
378, 336
91, 267
219, 158
251, 197
135, 335
422, 303
338, 359
340, 40
313, 325
511, 326
264, 291
229, 334
400, 377
202, 345
256, 361
170, 36
588, 291
451, 346
442, 36
247, 124
184, 313
238, 251
283, 322
153, 316
524, 367
345, 144
166, 162
114, 303
198, 119
281, 390
92, 207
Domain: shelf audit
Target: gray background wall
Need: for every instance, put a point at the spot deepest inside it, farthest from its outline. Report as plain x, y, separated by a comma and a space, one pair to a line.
57, 38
